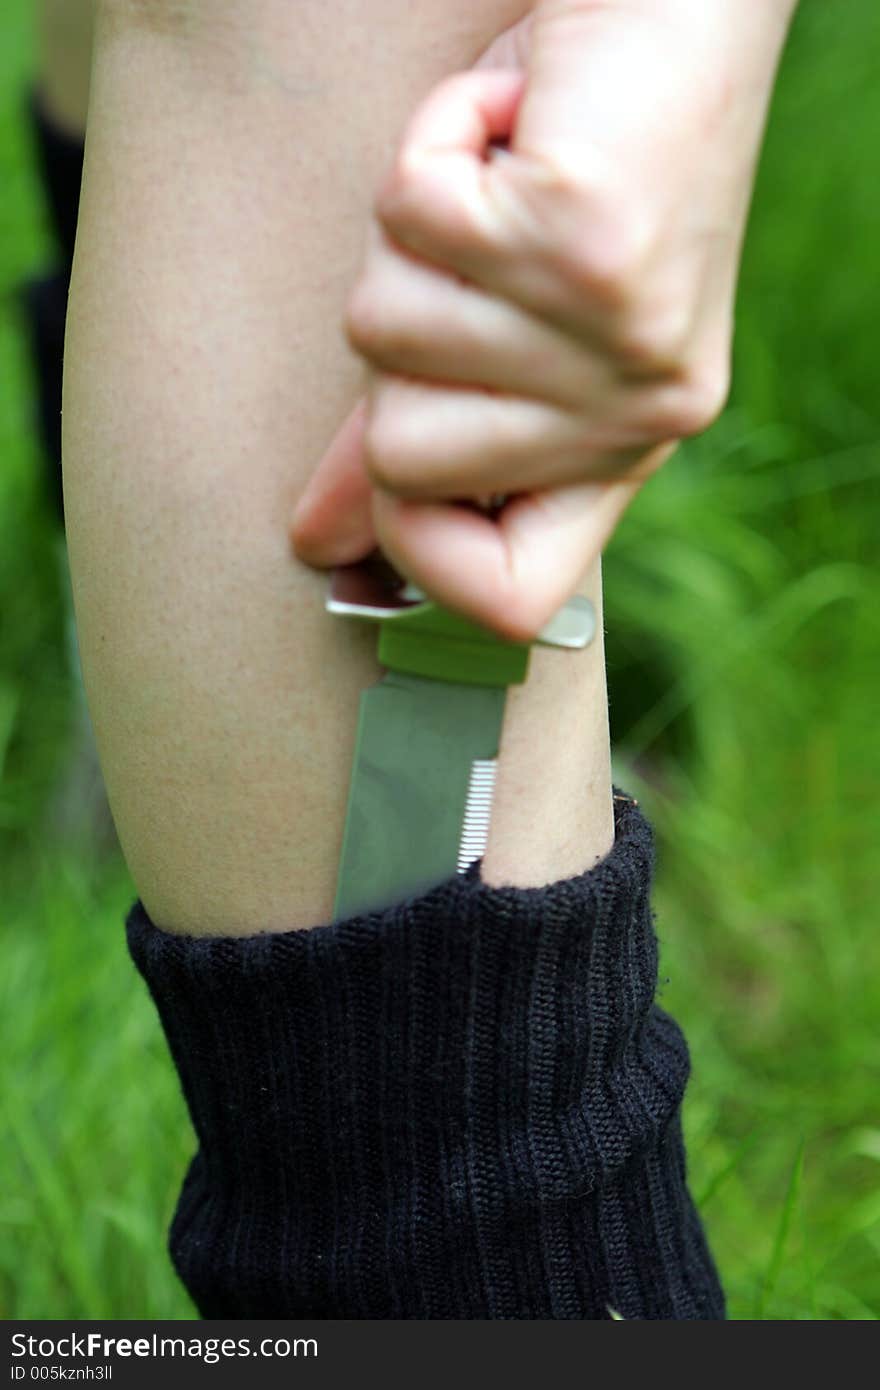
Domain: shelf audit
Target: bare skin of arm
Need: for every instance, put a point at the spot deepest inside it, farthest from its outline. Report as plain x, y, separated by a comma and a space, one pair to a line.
233, 153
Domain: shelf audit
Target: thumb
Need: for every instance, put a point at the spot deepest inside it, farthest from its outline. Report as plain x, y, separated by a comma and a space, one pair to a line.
332, 522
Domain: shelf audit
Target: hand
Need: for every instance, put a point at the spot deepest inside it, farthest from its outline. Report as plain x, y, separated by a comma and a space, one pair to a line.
546, 321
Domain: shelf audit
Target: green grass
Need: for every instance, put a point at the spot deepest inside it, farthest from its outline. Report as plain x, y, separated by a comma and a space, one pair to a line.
744, 635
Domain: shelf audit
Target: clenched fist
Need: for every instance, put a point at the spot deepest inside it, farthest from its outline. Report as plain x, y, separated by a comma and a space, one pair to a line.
547, 300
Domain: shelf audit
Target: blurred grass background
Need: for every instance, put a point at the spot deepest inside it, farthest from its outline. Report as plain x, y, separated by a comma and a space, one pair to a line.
743, 617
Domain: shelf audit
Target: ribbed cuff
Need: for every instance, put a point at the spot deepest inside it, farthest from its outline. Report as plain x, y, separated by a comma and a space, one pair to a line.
465, 1106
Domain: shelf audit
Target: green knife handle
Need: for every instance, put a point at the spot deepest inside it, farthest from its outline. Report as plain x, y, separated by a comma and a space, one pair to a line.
430, 641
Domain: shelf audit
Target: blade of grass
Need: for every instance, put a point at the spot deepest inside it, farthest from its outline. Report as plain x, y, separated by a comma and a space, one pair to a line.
786, 1216
58, 1205
719, 1178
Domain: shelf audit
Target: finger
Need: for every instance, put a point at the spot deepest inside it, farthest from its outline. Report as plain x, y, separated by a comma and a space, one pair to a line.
551, 225
408, 317
332, 523
433, 198
464, 113
494, 216
511, 575
432, 442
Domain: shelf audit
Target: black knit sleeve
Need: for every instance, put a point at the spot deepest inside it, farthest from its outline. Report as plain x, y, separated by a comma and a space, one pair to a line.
466, 1106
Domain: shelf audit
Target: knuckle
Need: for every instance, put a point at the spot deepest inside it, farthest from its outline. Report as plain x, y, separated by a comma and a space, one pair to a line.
519, 610
408, 191
514, 620
398, 192
704, 396
389, 454
605, 264
655, 340
520, 625
527, 617
381, 330
430, 204
362, 321
606, 275
694, 403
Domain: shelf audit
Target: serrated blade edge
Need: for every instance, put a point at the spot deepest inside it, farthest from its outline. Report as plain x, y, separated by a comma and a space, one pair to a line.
477, 812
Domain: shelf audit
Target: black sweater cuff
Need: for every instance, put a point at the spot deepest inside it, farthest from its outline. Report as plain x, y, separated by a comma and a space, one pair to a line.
466, 1106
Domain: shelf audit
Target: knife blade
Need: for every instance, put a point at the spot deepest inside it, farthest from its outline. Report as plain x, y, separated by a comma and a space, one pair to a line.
423, 773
